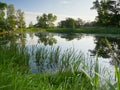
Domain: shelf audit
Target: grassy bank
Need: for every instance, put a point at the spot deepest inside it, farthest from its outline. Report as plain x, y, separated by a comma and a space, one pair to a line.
15, 73
87, 30
69, 70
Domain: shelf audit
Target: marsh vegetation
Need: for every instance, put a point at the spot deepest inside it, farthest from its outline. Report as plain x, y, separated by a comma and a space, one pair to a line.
72, 55
35, 61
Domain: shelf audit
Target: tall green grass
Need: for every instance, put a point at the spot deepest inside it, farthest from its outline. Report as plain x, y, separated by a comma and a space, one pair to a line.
116, 66
68, 70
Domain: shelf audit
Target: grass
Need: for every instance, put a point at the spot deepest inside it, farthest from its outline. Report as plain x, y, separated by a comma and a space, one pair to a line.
68, 70
87, 30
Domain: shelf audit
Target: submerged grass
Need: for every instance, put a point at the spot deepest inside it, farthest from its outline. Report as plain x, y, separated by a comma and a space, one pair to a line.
68, 70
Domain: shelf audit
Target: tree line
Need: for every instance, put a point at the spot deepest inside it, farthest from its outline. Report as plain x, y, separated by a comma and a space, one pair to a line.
47, 21
108, 15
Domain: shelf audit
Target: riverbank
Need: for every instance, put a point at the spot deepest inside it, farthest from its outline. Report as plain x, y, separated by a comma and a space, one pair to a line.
87, 30
15, 73
52, 68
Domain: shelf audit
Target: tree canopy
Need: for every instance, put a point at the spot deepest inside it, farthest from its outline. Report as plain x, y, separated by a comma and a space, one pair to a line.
108, 15
71, 23
12, 18
46, 20
20, 19
108, 12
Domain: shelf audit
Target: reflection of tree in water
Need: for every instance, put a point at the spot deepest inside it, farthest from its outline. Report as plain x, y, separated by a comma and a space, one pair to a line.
71, 36
21, 38
5, 38
12, 38
103, 50
46, 38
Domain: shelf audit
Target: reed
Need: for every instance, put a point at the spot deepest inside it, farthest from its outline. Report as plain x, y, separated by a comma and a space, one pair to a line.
58, 70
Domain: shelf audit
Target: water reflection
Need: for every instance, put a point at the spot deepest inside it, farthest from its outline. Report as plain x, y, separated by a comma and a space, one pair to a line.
46, 38
72, 36
108, 47
12, 38
4, 39
81, 42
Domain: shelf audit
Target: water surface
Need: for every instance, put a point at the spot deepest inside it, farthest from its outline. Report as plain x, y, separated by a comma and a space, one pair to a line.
89, 44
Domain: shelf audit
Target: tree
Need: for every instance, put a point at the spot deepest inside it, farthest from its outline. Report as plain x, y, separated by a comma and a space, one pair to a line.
2, 8
42, 21
20, 19
2, 14
51, 19
114, 10
46, 20
79, 23
108, 12
31, 24
68, 23
62, 24
11, 19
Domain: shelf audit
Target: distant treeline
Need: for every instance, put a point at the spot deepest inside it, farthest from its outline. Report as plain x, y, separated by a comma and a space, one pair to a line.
108, 15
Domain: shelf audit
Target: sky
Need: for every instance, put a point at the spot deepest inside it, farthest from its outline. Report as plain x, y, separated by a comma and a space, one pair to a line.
61, 8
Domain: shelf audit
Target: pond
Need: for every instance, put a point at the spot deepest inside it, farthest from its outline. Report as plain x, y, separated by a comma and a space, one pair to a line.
107, 47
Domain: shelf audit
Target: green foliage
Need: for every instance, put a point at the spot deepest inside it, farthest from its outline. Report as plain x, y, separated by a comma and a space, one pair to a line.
14, 60
46, 20
71, 23
20, 19
14, 70
87, 30
68, 23
108, 12
79, 23
2, 8
3, 25
11, 18
2, 14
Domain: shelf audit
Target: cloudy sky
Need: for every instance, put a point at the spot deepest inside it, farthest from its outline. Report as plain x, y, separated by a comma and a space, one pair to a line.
61, 8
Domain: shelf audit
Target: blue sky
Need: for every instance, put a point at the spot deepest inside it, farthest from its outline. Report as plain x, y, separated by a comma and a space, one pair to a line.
61, 8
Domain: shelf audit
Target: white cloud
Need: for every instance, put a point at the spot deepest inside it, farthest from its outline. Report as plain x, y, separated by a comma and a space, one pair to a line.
31, 17
65, 2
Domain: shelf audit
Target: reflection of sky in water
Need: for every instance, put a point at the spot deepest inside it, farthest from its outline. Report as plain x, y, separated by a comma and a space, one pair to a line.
31, 40
84, 44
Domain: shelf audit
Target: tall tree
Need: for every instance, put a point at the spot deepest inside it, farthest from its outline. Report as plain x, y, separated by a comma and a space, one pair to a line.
46, 20
108, 12
20, 19
2, 8
51, 19
68, 23
2, 14
11, 18
79, 22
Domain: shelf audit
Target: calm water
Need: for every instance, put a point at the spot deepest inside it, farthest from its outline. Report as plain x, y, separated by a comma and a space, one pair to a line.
90, 45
